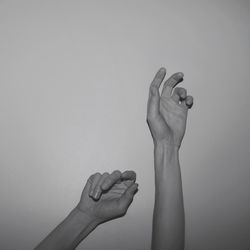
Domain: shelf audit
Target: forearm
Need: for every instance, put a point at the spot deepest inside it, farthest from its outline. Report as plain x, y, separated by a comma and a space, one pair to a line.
68, 234
168, 219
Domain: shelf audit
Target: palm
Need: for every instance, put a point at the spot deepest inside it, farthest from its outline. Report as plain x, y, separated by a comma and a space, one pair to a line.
107, 207
174, 117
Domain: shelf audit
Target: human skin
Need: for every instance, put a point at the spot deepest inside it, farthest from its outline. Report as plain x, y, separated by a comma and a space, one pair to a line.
167, 117
104, 197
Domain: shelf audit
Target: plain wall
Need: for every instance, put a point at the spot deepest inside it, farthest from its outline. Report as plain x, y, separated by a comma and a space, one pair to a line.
74, 79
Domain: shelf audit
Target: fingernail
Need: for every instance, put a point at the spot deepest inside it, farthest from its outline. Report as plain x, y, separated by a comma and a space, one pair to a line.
180, 74
96, 195
162, 70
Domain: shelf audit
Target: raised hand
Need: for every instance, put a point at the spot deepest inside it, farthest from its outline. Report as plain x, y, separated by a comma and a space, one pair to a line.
167, 113
108, 196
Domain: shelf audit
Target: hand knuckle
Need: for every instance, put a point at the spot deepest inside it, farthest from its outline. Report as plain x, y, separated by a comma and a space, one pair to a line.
117, 172
91, 176
105, 174
98, 174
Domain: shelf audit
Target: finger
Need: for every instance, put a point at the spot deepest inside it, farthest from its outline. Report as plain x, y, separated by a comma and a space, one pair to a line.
88, 185
127, 197
154, 96
129, 175
158, 78
97, 190
111, 180
189, 101
94, 181
179, 94
153, 107
171, 83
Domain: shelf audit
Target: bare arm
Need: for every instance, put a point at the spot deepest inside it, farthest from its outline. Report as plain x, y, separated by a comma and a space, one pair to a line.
168, 219
166, 116
105, 197
70, 232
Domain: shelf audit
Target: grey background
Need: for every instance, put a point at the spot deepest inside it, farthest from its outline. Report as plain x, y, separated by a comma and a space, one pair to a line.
74, 84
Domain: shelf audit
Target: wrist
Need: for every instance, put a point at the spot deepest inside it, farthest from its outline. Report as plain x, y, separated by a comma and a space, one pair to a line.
166, 145
85, 218
165, 154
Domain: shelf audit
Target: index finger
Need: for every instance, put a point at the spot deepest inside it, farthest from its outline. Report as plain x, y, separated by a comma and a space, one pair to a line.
158, 78
154, 96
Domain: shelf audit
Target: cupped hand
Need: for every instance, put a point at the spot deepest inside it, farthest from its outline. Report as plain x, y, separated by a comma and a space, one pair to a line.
108, 196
